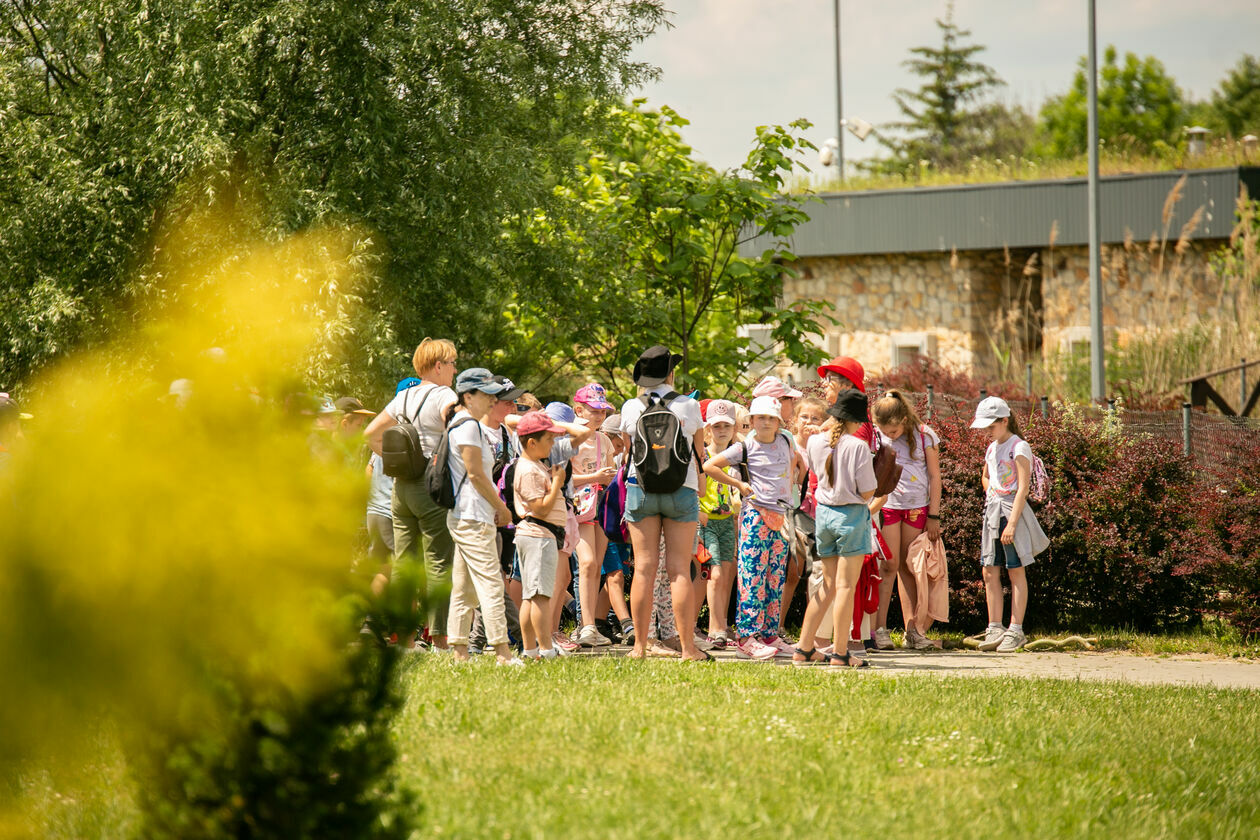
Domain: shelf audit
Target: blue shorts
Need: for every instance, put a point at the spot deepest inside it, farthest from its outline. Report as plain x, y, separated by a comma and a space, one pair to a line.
843, 530
615, 558
683, 505
1004, 554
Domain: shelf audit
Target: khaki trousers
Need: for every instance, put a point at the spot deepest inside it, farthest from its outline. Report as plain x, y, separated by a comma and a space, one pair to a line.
476, 579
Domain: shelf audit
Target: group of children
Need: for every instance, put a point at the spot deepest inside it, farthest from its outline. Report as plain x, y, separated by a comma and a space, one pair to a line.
696, 501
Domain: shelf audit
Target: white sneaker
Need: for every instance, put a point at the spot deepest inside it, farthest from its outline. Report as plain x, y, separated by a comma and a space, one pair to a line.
883, 639
992, 638
590, 637
514, 662
1012, 641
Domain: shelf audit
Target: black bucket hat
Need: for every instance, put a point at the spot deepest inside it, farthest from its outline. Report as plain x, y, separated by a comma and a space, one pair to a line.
654, 366
849, 407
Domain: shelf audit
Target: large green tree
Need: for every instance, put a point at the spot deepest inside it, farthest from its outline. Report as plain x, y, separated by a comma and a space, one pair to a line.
425, 122
946, 121
1140, 108
650, 245
1236, 101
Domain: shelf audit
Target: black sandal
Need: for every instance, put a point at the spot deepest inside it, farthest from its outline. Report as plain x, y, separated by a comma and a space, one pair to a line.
809, 658
708, 657
845, 661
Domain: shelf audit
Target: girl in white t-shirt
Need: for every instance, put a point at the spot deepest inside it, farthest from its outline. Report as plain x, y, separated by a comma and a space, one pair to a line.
1010, 535
912, 508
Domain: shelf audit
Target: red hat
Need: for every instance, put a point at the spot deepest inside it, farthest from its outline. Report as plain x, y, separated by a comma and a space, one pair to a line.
537, 421
850, 368
704, 409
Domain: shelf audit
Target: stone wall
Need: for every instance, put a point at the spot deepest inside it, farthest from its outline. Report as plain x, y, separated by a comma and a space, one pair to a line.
1143, 289
956, 306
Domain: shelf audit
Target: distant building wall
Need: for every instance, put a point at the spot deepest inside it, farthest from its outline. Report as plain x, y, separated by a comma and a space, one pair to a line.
950, 307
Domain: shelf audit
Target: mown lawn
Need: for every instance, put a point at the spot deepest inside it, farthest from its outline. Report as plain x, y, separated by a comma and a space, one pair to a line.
597, 748
604, 747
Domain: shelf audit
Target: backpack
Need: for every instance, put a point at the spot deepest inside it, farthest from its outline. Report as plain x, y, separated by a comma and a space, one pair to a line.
612, 508
401, 453
660, 451
1039, 486
437, 478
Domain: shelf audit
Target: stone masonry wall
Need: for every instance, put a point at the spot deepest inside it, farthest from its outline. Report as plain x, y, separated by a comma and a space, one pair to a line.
1139, 293
955, 304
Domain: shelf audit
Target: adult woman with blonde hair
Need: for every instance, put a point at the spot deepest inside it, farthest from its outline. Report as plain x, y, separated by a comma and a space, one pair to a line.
420, 523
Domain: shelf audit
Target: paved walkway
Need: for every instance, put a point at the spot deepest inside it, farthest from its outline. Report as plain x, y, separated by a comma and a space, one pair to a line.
1124, 667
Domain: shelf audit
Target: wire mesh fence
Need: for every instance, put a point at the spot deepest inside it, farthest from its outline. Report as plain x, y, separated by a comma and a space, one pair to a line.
1213, 440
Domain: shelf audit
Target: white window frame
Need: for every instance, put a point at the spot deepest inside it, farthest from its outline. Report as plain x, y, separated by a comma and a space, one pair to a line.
924, 343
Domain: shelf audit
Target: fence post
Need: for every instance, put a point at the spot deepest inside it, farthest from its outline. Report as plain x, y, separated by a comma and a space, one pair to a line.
931, 400
1028, 379
1045, 408
1242, 387
1111, 405
1185, 429
984, 392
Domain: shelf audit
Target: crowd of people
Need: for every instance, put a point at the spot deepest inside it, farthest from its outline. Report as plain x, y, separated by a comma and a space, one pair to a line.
534, 512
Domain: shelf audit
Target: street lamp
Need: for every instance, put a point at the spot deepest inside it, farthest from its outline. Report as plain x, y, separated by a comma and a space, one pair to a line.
829, 154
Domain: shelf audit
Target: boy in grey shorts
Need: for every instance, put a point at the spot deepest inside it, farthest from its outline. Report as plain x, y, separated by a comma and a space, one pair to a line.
538, 495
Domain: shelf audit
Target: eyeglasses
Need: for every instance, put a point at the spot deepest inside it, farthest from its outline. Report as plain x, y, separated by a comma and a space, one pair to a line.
834, 377
522, 407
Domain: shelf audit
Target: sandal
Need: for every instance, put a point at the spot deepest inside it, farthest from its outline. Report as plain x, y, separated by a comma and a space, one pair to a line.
809, 659
707, 658
843, 660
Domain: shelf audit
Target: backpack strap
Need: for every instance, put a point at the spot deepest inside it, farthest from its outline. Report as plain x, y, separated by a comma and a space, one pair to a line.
455, 424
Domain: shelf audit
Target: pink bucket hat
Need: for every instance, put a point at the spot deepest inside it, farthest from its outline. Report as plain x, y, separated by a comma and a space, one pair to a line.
773, 386
594, 396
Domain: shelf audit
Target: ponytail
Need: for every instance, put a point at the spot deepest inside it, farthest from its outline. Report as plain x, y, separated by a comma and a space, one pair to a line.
1012, 425
895, 407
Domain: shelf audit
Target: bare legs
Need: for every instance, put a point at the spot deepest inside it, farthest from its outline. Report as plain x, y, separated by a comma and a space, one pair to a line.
679, 542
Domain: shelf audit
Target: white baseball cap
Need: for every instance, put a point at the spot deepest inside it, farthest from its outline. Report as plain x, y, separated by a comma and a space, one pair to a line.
722, 411
990, 409
765, 406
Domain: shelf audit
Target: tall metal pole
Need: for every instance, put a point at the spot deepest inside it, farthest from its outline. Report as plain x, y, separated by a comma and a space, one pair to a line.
839, 100
1098, 376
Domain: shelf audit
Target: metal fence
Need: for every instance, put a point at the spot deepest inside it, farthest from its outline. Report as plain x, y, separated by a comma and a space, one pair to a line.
1216, 442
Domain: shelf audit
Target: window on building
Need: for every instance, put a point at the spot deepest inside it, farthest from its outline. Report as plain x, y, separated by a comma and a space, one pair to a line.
906, 347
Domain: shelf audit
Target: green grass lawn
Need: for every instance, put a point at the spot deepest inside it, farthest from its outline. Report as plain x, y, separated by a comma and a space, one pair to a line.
609, 747
602, 747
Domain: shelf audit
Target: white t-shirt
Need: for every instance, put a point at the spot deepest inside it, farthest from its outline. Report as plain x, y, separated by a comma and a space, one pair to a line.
914, 488
1000, 459
769, 468
854, 473
469, 503
689, 415
405, 404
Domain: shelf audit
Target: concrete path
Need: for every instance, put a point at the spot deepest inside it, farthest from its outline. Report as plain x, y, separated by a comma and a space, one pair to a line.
1123, 667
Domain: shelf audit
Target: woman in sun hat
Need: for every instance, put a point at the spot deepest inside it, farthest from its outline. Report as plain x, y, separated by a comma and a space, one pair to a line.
675, 514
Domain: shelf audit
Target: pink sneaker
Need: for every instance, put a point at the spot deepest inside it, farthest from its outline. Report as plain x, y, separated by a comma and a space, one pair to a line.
754, 648
781, 648
563, 642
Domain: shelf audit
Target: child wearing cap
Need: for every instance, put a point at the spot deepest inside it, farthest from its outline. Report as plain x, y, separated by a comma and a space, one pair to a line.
564, 450
842, 529
770, 463
1010, 534
592, 471
718, 509
538, 491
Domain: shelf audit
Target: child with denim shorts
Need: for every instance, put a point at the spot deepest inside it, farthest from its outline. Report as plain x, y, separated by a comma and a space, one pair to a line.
1010, 534
842, 526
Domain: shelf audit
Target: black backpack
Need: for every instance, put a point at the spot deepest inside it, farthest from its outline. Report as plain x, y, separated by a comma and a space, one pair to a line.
401, 453
437, 478
661, 452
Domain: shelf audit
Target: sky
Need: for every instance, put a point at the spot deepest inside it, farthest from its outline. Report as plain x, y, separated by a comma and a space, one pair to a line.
731, 65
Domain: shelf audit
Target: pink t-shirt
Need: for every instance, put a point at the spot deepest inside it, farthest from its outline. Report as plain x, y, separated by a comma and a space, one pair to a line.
532, 481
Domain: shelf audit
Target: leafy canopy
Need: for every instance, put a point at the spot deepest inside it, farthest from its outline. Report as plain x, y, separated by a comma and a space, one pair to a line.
650, 241
1140, 108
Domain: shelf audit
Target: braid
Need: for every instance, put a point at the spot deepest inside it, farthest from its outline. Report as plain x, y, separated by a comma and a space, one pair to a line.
837, 432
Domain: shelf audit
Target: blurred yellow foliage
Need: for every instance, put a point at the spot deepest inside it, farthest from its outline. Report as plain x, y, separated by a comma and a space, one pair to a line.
147, 546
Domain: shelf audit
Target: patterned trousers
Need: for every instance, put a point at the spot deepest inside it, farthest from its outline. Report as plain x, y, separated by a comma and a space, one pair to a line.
762, 561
